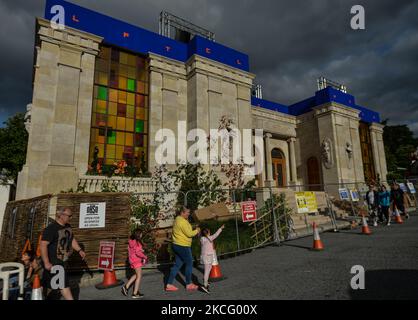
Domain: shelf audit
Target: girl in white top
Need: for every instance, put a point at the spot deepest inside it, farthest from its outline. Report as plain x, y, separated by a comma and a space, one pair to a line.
208, 253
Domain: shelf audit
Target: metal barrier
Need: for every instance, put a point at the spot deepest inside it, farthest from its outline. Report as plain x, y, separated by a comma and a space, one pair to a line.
5, 276
278, 219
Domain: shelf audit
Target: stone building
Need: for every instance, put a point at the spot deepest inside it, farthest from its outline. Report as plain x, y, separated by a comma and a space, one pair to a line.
103, 86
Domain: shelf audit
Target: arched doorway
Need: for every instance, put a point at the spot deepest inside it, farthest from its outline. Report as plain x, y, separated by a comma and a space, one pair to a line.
279, 167
313, 174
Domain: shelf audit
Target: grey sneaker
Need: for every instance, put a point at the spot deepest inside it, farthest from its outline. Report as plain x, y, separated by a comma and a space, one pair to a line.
205, 289
124, 291
137, 296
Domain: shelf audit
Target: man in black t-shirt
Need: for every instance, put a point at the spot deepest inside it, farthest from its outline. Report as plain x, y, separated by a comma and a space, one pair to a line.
57, 246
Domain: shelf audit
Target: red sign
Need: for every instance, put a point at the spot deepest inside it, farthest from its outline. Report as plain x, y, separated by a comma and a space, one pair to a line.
106, 255
249, 211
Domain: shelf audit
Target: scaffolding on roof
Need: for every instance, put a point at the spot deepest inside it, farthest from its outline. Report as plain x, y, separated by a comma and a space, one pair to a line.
324, 83
169, 21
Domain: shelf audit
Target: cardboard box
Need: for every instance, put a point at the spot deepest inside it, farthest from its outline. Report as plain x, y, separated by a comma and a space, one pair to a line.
218, 211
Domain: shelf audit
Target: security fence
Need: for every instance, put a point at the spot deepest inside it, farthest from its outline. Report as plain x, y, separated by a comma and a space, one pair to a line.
254, 218
279, 215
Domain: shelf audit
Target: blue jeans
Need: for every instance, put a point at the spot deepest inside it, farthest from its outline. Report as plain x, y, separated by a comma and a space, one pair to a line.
183, 256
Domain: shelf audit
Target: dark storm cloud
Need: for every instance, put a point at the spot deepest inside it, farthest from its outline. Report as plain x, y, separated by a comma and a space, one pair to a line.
290, 43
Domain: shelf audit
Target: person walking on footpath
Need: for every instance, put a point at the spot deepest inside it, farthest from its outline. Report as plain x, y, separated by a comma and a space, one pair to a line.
57, 245
397, 197
137, 259
207, 254
384, 203
372, 199
182, 236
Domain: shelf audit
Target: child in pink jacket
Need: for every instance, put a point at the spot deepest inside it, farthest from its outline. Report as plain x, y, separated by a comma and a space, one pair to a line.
137, 260
207, 254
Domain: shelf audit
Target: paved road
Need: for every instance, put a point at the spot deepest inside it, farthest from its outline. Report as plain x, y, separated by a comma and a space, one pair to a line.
292, 271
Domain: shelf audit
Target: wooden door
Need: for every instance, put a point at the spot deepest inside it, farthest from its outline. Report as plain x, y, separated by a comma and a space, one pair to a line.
279, 171
313, 174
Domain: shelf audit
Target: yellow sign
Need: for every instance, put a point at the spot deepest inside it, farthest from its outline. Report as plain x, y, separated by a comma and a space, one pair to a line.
311, 202
301, 202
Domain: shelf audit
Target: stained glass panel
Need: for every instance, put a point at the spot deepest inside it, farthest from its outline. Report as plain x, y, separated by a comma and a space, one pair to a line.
122, 83
113, 108
119, 107
139, 126
102, 94
131, 85
130, 111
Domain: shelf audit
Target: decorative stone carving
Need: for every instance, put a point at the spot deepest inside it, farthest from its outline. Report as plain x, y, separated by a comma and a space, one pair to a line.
28, 116
349, 150
414, 163
326, 153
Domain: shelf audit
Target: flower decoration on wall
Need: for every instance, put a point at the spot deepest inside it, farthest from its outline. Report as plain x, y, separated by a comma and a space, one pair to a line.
120, 167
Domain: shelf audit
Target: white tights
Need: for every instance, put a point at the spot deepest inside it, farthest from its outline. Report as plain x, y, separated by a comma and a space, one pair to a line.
208, 267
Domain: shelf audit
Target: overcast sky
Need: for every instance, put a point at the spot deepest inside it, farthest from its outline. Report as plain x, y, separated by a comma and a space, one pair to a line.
290, 44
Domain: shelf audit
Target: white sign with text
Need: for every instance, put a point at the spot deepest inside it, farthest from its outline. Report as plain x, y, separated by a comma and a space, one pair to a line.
92, 215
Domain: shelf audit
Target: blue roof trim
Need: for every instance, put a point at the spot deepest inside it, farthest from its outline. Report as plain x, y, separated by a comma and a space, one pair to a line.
125, 35
215, 51
273, 106
302, 106
368, 115
330, 94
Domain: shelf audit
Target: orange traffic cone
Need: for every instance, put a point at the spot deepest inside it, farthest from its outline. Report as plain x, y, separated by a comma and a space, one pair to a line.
109, 280
27, 247
36, 289
317, 243
215, 272
398, 218
38, 248
365, 229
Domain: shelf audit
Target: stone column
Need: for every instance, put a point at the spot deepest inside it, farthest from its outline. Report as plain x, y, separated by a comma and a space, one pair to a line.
270, 181
379, 157
59, 132
292, 164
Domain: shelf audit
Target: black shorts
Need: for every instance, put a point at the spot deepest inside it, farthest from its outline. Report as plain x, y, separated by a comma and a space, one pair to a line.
49, 278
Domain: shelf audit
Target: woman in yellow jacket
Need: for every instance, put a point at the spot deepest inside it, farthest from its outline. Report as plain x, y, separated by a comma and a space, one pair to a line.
183, 234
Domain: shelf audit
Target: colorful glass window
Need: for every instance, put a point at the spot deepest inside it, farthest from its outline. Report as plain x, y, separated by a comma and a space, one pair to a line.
120, 107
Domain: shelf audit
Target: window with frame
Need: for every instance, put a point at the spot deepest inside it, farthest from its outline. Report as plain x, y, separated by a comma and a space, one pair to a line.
119, 125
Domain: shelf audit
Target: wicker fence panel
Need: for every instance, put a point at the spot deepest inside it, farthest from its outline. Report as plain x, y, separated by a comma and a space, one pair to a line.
23, 220
118, 212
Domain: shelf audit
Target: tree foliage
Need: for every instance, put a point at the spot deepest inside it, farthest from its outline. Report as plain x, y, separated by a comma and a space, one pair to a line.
201, 187
13, 145
400, 143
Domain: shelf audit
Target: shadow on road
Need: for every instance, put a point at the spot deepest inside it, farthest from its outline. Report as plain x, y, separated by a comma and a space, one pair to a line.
296, 246
353, 232
165, 270
388, 285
